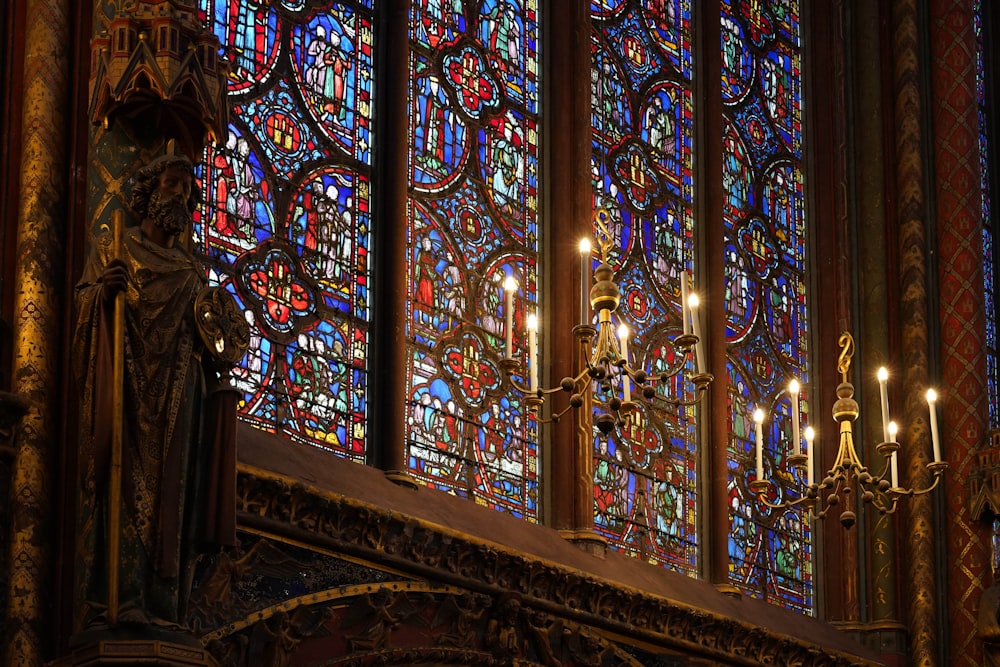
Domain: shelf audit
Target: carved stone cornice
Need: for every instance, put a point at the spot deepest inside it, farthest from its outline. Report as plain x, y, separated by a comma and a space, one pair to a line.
279, 506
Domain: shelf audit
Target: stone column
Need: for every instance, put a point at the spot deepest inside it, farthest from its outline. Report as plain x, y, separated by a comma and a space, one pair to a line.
709, 251
391, 369
876, 262
570, 212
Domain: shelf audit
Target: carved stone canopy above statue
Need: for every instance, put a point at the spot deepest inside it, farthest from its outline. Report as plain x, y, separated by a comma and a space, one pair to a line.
157, 65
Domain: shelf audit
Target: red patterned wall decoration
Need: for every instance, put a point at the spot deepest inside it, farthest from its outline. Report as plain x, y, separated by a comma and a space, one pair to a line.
962, 327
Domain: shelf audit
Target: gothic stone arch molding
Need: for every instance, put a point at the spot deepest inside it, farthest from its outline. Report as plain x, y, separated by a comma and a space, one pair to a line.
276, 505
406, 623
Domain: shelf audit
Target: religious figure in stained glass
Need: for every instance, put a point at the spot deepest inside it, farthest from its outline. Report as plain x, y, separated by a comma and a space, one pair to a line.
325, 73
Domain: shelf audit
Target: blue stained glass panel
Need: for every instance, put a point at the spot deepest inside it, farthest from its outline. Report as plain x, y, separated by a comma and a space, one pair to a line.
989, 249
642, 115
766, 302
285, 225
473, 169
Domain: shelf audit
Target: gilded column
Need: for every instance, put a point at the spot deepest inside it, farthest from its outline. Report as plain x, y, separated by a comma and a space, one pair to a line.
913, 257
38, 307
962, 324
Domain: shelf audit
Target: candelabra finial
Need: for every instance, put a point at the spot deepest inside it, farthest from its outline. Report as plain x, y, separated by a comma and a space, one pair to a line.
846, 343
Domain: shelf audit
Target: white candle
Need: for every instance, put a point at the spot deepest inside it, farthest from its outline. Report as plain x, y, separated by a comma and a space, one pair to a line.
758, 417
883, 377
793, 390
685, 315
810, 439
699, 351
532, 355
584, 281
509, 287
893, 464
931, 403
623, 342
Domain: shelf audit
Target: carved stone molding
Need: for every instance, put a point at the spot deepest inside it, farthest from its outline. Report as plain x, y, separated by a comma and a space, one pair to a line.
138, 652
278, 506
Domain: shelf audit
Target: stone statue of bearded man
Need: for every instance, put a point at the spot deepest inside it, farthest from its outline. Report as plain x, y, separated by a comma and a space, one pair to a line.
178, 451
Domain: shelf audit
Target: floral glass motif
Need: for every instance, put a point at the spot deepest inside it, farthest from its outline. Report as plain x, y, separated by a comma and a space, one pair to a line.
642, 115
285, 225
472, 222
770, 551
989, 258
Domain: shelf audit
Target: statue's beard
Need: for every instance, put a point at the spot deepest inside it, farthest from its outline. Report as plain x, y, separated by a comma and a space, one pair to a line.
169, 213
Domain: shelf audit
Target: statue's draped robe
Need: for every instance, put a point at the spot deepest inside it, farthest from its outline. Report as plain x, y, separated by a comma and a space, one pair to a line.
165, 457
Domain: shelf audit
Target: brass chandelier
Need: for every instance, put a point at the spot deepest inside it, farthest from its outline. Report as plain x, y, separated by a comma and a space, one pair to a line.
848, 476
608, 373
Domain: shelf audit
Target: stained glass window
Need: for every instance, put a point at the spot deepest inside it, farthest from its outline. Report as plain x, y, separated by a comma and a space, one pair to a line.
286, 221
989, 256
473, 210
769, 550
286, 228
642, 80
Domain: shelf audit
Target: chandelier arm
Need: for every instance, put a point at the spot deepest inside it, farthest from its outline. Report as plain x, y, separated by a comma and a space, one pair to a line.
544, 391
521, 388
836, 484
883, 509
885, 470
583, 378
700, 381
558, 415
699, 391
936, 468
785, 504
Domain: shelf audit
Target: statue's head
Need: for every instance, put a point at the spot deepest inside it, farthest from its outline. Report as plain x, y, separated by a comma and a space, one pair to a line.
166, 192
